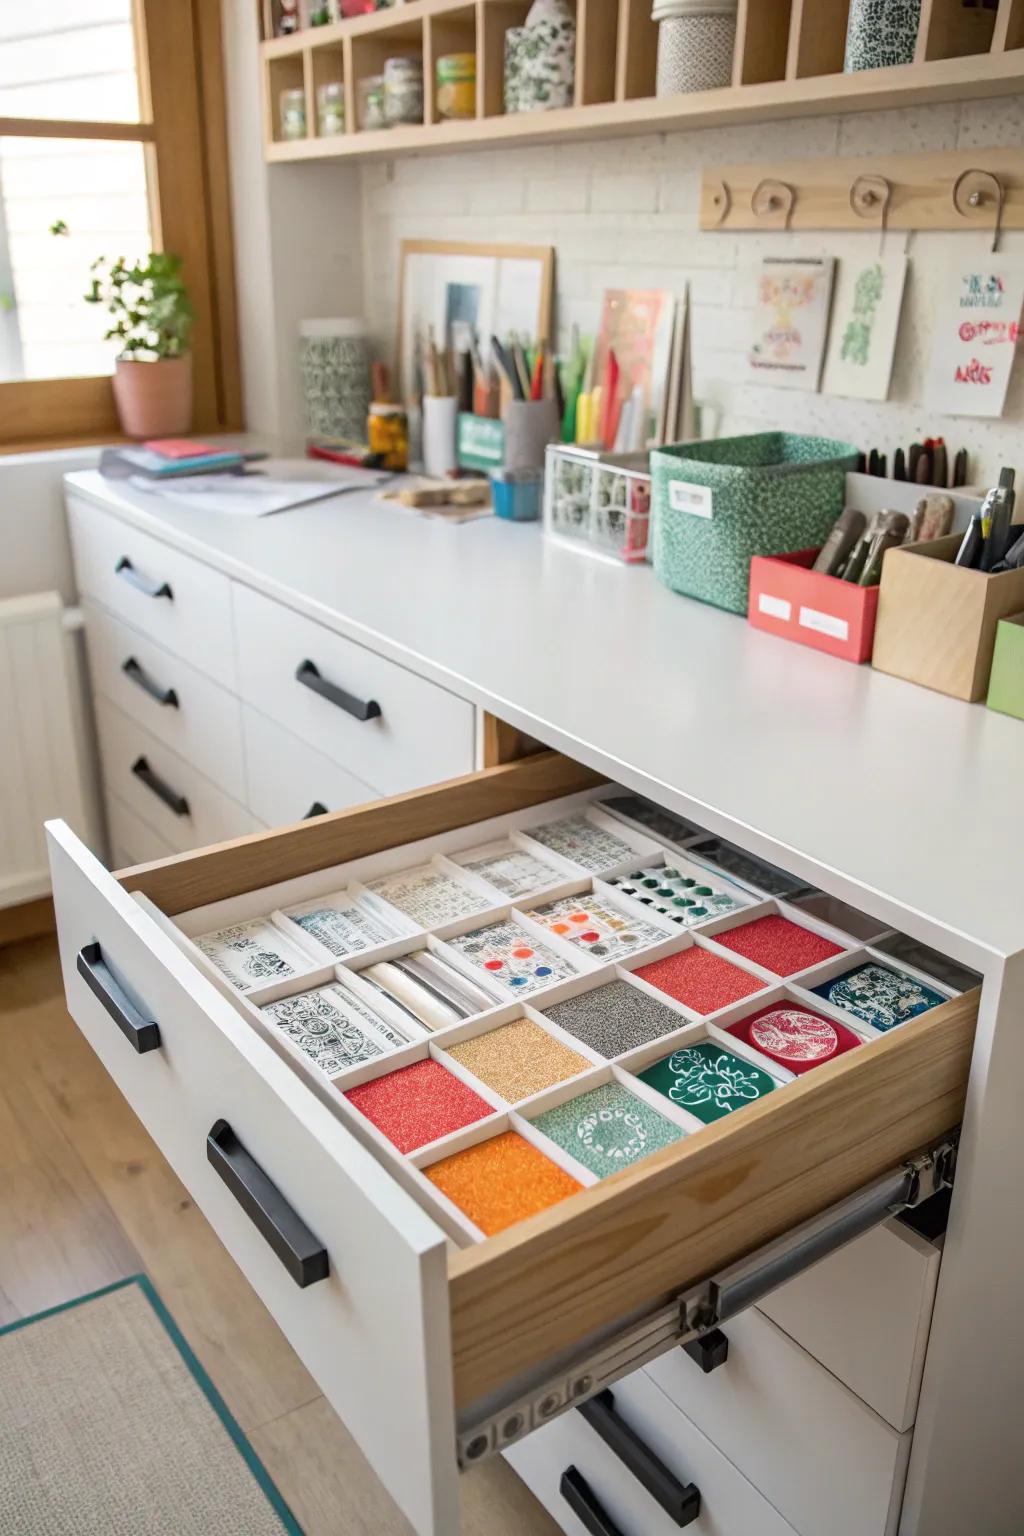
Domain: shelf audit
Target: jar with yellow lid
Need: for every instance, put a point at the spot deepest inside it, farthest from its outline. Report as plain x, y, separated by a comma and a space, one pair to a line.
387, 428
456, 85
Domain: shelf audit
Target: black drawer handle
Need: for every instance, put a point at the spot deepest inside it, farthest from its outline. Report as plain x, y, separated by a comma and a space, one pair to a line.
680, 1501
308, 674
316, 809
585, 1505
302, 1254
141, 678
709, 1351
141, 1033
170, 797
145, 584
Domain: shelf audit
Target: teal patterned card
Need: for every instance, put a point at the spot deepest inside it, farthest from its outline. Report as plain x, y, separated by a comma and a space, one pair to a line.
706, 1081
880, 996
608, 1128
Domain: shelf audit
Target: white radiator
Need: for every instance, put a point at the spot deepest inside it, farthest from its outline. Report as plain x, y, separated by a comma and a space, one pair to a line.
46, 756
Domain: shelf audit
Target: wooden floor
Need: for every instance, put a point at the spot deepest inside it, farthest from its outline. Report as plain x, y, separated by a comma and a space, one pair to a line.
86, 1199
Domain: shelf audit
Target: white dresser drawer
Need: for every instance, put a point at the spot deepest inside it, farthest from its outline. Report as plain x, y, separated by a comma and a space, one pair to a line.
180, 706
828, 1463
175, 600
865, 1312
289, 780
422, 733
182, 806
131, 840
620, 1495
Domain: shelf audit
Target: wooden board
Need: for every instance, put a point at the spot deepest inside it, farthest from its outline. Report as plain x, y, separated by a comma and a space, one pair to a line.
543, 1286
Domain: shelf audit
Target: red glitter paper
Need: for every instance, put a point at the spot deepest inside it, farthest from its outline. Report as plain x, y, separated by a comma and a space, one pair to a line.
699, 979
796, 1037
418, 1104
778, 944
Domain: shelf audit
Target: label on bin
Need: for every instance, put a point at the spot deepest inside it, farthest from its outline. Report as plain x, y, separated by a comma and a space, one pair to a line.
695, 499
825, 623
774, 607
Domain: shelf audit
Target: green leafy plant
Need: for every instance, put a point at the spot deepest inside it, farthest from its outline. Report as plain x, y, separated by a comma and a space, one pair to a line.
148, 302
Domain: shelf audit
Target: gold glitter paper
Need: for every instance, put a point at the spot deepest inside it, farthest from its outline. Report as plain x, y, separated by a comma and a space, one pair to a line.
501, 1181
518, 1059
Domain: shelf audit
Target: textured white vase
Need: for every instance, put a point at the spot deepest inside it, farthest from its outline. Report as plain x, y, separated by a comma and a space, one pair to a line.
542, 58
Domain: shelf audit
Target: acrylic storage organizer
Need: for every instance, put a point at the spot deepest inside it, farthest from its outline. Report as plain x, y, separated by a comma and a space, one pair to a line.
718, 504
598, 503
788, 598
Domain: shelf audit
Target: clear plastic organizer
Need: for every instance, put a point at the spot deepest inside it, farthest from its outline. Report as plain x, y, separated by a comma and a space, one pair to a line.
597, 502
500, 1044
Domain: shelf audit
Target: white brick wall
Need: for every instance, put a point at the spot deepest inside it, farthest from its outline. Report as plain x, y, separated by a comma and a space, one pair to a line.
623, 213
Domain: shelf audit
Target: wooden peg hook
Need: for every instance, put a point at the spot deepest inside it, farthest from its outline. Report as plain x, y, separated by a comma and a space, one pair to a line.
870, 197
974, 190
721, 201
771, 196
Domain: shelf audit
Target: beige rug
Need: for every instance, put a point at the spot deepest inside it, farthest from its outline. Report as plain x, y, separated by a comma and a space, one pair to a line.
110, 1427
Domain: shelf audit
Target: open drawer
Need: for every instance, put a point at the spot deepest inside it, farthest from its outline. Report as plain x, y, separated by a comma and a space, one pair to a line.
414, 1340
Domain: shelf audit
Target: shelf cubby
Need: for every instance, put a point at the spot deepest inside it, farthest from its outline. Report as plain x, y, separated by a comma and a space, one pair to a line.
762, 41
952, 30
817, 38
637, 51
286, 73
1009, 29
495, 18
446, 32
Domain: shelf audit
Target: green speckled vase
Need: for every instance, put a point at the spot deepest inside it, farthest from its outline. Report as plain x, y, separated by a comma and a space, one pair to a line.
717, 504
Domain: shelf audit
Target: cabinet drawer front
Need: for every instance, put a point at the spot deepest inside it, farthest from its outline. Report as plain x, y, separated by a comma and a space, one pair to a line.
288, 780
865, 1312
729, 1505
422, 734
132, 841
175, 600
819, 1454
374, 1332
170, 699
181, 805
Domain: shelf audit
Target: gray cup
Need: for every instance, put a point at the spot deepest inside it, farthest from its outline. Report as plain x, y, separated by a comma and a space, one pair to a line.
529, 426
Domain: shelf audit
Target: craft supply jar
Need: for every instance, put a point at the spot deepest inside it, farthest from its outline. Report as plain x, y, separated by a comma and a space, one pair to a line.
881, 33
456, 85
403, 91
540, 59
371, 102
293, 113
388, 431
330, 108
696, 42
335, 365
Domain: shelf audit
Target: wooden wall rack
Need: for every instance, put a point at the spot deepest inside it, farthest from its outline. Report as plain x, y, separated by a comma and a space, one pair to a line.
788, 63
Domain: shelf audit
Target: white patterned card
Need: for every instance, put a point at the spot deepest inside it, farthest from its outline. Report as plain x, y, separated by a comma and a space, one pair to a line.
253, 954
430, 896
333, 1028
343, 924
513, 871
583, 841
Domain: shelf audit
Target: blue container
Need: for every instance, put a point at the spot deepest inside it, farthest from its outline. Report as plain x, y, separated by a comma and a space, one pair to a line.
516, 494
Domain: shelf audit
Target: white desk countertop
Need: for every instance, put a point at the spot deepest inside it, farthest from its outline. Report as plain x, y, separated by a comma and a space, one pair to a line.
897, 793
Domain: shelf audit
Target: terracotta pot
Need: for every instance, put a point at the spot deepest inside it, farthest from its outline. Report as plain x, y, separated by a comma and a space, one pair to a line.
154, 399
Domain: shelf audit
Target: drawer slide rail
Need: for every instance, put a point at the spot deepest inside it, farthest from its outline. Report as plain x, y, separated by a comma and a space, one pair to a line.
490, 1429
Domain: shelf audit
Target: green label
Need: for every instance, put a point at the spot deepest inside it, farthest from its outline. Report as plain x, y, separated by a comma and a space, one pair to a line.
480, 443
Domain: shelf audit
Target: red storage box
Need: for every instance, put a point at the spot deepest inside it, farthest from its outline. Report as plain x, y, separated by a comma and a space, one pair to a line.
788, 598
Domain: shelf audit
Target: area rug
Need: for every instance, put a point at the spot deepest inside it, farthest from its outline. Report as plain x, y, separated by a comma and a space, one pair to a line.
109, 1426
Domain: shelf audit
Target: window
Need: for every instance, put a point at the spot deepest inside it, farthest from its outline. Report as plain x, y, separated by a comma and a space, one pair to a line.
112, 143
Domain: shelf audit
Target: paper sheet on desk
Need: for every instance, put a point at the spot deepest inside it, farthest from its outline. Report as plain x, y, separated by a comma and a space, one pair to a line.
258, 495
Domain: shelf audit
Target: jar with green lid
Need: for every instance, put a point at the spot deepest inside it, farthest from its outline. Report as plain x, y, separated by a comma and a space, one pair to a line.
330, 108
371, 102
456, 85
403, 91
293, 113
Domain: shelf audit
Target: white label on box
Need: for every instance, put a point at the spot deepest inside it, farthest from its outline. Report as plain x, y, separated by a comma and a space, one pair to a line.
775, 607
825, 623
695, 499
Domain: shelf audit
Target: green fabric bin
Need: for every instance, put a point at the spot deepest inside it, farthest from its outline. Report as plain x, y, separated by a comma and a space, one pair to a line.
717, 504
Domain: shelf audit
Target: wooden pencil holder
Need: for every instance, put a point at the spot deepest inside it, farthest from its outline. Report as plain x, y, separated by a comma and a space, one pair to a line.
937, 621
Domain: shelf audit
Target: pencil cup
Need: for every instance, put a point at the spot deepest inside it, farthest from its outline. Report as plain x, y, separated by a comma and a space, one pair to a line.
440, 414
529, 426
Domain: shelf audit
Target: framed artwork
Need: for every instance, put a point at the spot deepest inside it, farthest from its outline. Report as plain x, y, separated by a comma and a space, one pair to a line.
465, 291
791, 321
865, 323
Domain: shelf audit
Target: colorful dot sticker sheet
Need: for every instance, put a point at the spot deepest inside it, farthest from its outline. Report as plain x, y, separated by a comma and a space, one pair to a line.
343, 925
707, 1081
683, 897
797, 1038
253, 955
514, 871
333, 1028
601, 930
879, 995
607, 1129
577, 838
430, 896
513, 958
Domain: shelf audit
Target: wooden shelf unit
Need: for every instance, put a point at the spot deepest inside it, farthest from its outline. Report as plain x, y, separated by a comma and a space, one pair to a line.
788, 63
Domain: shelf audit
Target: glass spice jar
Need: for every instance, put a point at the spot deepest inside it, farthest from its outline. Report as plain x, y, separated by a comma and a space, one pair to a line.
371, 102
456, 85
330, 108
403, 91
387, 428
293, 113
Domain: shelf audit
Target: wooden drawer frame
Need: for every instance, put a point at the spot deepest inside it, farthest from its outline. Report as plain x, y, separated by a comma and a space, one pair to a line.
517, 1307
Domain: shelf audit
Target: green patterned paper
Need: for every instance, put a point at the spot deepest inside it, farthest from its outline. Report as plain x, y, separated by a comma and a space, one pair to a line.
707, 1082
608, 1128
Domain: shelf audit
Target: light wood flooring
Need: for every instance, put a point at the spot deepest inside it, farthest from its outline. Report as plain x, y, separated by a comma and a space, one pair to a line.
86, 1199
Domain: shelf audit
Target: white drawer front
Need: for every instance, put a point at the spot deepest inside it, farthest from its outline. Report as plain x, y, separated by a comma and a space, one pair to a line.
132, 841
130, 755
865, 1314
194, 716
288, 779
185, 606
423, 733
816, 1452
374, 1332
729, 1505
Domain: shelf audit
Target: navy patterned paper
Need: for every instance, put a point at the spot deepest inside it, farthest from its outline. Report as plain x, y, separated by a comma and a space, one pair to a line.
879, 996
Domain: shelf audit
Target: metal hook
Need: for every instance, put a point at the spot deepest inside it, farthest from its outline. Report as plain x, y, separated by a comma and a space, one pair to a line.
972, 190
721, 201
868, 195
771, 196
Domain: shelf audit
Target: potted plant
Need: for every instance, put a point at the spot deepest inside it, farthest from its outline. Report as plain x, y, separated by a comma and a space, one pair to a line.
151, 316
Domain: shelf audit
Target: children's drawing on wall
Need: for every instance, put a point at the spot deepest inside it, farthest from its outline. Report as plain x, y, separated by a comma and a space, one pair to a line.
865, 325
791, 321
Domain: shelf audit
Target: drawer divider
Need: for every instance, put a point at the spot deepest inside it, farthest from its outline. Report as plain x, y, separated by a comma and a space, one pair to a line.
302, 1254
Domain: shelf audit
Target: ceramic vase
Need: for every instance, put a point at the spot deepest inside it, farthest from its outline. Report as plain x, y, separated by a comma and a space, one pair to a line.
881, 33
540, 59
335, 378
696, 43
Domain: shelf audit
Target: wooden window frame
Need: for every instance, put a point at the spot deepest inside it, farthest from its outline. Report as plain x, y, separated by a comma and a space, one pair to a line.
182, 127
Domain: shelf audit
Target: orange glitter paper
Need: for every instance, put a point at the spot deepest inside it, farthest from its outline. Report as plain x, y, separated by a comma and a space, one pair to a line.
501, 1181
